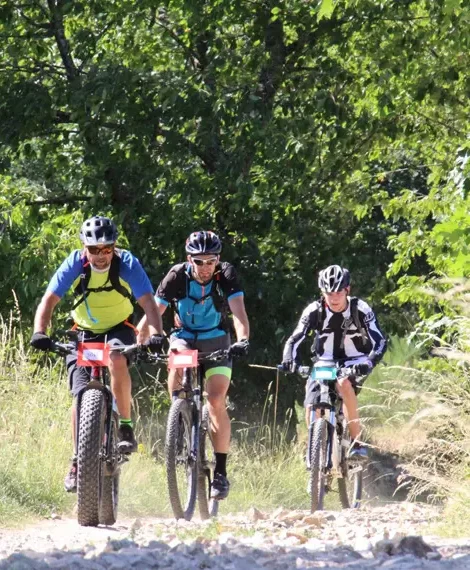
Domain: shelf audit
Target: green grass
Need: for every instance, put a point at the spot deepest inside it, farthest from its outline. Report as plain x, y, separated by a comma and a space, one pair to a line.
35, 441
266, 469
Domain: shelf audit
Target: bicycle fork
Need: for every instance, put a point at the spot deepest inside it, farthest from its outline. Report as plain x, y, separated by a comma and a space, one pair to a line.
330, 416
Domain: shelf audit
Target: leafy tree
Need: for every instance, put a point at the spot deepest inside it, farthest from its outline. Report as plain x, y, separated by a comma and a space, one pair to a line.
305, 133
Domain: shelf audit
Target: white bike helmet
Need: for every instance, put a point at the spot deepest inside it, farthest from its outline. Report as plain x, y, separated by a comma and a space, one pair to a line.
98, 230
334, 278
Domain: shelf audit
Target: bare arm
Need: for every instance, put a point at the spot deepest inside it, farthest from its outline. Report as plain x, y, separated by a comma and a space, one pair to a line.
240, 318
153, 319
42, 319
144, 325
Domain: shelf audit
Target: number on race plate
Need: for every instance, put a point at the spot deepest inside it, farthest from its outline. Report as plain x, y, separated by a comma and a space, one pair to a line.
183, 359
93, 354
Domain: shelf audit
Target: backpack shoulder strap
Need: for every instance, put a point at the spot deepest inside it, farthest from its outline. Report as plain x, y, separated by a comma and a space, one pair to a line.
114, 272
320, 316
356, 319
82, 285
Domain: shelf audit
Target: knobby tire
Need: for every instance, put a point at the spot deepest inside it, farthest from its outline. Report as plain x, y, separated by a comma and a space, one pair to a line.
317, 464
90, 438
350, 484
110, 479
207, 507
179, 431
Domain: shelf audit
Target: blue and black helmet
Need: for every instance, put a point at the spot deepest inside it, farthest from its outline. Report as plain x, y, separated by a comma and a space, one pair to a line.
202, 242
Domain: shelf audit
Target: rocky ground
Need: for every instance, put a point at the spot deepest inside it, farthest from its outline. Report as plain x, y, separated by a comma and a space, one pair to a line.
397, 536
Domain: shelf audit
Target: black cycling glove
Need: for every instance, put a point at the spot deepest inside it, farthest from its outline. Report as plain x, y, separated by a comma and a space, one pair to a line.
239, 348
41, 341
155, 343
288, 365
362, 369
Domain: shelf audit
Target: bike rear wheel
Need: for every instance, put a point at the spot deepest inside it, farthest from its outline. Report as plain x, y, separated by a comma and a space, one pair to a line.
181, 467
318, 464
90, 440
207, 507
350, 484
110, 480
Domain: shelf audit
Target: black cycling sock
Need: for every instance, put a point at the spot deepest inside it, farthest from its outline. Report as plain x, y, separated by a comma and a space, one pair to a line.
221, 464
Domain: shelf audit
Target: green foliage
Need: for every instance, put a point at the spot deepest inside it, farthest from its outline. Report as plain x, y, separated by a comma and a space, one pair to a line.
305, 133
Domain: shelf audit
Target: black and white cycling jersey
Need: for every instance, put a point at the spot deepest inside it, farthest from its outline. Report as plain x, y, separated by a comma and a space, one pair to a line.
333, 342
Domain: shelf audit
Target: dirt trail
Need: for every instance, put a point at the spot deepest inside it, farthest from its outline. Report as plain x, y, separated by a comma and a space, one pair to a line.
373, 537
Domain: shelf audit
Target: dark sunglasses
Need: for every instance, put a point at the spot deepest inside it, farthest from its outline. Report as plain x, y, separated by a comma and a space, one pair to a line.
95, 250
199, 262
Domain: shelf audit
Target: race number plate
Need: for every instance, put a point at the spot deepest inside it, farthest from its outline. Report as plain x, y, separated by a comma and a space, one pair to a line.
93, 354
183, 359
324, 373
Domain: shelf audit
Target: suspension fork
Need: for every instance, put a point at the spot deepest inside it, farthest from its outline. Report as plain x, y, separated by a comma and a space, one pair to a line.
330, 416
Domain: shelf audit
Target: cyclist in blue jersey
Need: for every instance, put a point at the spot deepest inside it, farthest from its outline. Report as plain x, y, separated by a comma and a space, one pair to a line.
199, 291
103, 280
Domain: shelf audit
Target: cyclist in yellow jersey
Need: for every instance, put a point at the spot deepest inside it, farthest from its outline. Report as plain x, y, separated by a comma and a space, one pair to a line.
103, 279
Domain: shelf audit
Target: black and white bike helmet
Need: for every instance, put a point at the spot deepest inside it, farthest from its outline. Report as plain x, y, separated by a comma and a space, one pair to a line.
201, 243
98, 230
334, 278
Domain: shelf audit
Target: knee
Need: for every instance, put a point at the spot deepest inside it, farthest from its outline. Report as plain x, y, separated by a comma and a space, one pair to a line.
216, 401
117, 362
345, 386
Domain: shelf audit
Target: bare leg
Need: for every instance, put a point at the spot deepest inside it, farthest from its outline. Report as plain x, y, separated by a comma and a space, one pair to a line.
350, 404
216, 388
175, 378
121, 385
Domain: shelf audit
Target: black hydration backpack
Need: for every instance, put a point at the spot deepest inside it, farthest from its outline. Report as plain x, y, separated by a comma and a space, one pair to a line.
354, 318
216, 292
82, 290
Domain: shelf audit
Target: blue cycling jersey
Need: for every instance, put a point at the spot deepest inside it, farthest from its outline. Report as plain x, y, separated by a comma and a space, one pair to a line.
197, 305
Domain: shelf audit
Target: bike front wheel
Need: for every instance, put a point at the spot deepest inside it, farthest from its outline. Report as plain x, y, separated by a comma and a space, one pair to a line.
318, 464
207, 507
181, 467
90, 440
350, 484
110, 479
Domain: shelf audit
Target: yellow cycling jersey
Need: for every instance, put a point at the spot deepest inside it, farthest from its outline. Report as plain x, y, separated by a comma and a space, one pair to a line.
108, 308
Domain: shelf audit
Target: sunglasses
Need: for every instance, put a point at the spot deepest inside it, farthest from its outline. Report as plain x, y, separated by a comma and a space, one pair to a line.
94, 250
200, 262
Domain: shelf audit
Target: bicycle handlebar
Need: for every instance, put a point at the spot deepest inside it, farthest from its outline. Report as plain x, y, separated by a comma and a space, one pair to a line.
304, 371
141, 351
63, 348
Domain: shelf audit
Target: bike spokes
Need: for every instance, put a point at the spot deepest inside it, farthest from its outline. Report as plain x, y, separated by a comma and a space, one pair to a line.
180, 460
206, 463
350, 482
318, 464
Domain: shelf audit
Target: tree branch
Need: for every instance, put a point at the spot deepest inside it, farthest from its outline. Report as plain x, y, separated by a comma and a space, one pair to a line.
57, 23
59, 200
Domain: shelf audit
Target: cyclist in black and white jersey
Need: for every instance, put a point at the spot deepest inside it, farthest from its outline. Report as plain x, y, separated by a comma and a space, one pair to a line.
347, 331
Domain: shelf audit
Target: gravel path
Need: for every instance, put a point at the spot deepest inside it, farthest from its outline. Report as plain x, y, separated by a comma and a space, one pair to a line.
392, 537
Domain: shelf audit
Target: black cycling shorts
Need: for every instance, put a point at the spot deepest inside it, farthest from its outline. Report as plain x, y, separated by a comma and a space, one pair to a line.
79, 376
312, 390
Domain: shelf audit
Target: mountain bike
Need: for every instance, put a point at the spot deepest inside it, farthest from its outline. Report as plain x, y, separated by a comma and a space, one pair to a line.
329, 440
98, 458
189, 451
